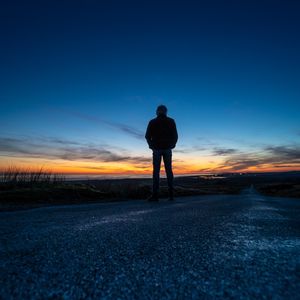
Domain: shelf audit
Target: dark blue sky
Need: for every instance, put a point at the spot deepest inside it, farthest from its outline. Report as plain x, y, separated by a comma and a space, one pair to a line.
93, 72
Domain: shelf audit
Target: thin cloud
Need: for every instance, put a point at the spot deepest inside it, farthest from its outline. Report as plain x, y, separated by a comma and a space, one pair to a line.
59, 141
190, 150
285, 152
275, 156
48, 148
134, 132
224, 151
283, 166
238, 164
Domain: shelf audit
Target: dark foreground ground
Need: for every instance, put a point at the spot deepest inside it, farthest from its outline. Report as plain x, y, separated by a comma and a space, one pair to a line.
200, 247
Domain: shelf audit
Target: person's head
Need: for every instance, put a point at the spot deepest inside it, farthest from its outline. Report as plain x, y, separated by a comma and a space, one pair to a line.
161, 110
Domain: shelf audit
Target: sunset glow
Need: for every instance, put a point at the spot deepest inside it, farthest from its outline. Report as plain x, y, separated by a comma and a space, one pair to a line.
76, 96
196, 165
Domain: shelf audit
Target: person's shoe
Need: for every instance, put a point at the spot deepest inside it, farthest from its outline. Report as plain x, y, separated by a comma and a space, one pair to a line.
152, 198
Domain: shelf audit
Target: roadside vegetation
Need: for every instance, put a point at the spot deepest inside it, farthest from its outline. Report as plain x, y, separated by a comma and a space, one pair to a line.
14, 177
25, 188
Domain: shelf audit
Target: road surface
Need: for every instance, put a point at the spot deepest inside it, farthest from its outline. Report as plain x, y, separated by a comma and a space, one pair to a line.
202, 247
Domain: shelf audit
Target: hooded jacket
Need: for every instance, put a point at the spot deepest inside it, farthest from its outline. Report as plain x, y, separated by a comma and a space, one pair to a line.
161, 133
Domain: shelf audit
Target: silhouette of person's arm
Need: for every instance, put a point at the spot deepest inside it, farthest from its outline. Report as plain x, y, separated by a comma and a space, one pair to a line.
174, 135
148, 135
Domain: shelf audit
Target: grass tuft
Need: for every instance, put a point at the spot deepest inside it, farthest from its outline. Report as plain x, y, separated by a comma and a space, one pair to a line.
15, 177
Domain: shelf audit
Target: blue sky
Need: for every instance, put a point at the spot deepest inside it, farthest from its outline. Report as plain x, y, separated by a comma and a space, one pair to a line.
91, 73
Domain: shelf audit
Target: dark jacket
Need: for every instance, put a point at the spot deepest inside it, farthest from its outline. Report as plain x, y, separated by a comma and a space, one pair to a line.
161, 133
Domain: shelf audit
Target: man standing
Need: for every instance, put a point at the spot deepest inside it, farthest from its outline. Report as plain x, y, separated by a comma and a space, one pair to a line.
161, 136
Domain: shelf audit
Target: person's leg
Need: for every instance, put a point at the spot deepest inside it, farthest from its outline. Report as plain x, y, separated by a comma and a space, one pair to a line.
167, 156
156, 171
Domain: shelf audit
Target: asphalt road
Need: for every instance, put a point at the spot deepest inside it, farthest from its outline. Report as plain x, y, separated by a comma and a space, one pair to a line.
204, 247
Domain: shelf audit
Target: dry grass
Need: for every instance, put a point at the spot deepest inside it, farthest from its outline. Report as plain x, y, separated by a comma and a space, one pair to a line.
19, 177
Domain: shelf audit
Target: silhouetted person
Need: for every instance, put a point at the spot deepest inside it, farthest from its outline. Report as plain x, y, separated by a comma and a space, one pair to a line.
161, 136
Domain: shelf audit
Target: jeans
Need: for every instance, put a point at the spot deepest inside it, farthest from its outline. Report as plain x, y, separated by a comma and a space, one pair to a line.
167, 157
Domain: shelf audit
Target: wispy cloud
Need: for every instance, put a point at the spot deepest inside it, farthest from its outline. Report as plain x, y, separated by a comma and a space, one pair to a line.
224, 151
192, 149
285, 152
53, 148
134, 132
282, 156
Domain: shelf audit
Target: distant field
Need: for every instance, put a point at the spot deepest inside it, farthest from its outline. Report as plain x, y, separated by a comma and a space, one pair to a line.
49, 189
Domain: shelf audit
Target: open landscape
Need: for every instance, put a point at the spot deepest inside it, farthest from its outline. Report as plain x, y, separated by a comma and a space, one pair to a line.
149, 150
23, 190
